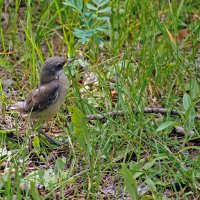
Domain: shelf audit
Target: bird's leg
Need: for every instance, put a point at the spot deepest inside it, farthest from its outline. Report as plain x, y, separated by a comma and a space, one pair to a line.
49, 139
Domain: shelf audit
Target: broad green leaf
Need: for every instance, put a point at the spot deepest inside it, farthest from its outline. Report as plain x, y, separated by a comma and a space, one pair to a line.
83, 33
91, 7
152, 188
77, 5
81, 129
83, 40
105, 17
103, 27
36, 145
194, 89
98, 40
104, 2
148, 165
151, 185
165, 125
105, 10
186, 101
190, 111
130, 183
190, 116
50, 178
96, 2
60, 164
44, 177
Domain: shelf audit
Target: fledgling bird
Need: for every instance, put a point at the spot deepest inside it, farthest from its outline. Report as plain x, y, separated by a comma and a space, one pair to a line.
45, 101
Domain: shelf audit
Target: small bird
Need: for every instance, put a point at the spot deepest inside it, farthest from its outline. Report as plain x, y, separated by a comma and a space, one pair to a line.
45, 101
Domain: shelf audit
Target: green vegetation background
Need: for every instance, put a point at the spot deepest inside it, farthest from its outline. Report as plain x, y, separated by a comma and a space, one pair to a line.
130, 54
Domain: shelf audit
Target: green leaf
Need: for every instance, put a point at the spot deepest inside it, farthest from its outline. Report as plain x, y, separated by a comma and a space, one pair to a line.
36, 144
186, 101
104, 2
81, 129
165, 125
152, 187
130, 182
77, 5
180, 8
60, 164
93, 20
84, 33
140, 168
100, 3
103, 28
189, 110
96, 2
104, 17
50, 178
105, 10
98, 40
191, 119
190, 116
91, 7
44, 177
194, 89
139, 171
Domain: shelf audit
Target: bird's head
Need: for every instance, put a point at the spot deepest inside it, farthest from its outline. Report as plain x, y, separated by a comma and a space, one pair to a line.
52, 69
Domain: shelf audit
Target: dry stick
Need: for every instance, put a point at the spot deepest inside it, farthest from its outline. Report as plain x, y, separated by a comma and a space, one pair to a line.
146, 110
178, 129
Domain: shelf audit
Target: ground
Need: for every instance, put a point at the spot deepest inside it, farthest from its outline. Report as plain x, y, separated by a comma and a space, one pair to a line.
130, 56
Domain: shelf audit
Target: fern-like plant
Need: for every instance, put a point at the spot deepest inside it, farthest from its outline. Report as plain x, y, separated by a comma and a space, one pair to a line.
94, 19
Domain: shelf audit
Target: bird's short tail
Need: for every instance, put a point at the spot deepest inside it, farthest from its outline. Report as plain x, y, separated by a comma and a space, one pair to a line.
19, 107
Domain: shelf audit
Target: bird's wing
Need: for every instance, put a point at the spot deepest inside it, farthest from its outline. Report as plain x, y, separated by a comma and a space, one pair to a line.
42, 97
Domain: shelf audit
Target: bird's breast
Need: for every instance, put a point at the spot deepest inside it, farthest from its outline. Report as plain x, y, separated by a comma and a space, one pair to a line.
64, 87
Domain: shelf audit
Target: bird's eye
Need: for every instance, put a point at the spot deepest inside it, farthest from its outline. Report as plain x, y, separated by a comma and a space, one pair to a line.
59, 65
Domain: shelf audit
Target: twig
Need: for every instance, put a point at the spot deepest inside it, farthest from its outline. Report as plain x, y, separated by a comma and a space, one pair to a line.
146, 110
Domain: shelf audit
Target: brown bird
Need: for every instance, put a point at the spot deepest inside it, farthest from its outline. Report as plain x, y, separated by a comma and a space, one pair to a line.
45, 101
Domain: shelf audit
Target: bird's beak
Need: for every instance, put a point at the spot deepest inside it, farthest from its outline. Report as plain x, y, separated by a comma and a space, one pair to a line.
69, 61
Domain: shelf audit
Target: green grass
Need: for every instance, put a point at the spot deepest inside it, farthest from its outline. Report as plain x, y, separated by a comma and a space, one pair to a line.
140, 60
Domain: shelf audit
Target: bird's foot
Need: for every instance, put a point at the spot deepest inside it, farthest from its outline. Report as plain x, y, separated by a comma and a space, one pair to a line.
49, 139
